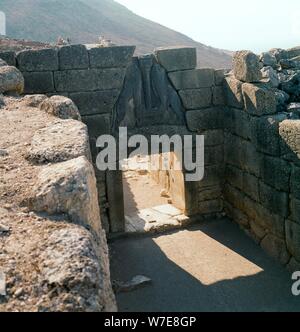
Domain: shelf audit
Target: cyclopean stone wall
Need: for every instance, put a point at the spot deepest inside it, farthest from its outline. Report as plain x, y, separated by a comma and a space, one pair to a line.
249, 118
261, 131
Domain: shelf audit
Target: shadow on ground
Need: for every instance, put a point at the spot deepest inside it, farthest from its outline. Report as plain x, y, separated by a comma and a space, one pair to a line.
213, 266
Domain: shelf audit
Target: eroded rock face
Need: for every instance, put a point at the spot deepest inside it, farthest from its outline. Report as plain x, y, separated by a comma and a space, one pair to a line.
71, 261
246, 67
69, 187
61, 107
11, 80
61, 141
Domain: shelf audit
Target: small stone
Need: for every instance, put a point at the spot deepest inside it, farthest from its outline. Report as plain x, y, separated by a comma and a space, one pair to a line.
2, 284
19, 292
3, 153
164, 193
136, 283
4, 229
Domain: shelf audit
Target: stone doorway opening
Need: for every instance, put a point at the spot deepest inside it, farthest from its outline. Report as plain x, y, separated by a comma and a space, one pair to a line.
154, 200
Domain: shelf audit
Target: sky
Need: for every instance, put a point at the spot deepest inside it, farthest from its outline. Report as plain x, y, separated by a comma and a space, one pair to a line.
257, 25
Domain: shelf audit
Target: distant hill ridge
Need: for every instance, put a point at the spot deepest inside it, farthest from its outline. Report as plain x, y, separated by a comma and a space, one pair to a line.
83, 21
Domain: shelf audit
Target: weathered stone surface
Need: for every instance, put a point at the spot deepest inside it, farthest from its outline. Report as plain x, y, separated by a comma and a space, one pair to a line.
61, 107
71, 260
270, 76
147, 98
208, 207
98, 124
274, 200
236, 215
213, 175
211, 118
3, 63
33, 100
238, 122
61, 141
291, 85
276, 248
89, 80
110, 57
220, 76
73, 57
295, 209
98, 102
69, 187
233, 150
279, 53
293, 52
177, 58
233, 92
250, 186
293, 238
265, 133
193, 79
295, 182
11, 80
234, 176
268, 59
9, 57
39, 82
196, 98
213, 137
276, 173
38, 60
290, 134
213, 155
259, 99
209, 193
234, 196
246, 66
218, 96
264, 218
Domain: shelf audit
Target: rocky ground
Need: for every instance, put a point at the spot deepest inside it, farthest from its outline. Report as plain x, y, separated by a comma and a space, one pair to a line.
47, 263
16, 45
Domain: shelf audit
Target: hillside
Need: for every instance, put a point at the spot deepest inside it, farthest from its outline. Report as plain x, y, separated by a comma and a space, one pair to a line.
85, 20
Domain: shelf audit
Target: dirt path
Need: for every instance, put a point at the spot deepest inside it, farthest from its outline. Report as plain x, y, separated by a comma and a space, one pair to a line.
211, 267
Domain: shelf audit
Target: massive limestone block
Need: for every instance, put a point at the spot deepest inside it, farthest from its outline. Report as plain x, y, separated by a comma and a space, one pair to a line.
39, 82
61, 107
69, 187
210, 118
274, 200
293, 238
220, 76
73, 57
110, 57
73, 261
196, 98
177, 58
295, 182
237, 122
259, 99
265, 133
233, 92
78, 80
276, 173
97, 102
246, 67
61, 141
218, 96
11, 80
38, 60
268, 59
293, 52
193, 79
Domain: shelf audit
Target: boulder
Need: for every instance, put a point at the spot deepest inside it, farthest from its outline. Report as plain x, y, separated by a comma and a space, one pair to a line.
3, 63
61, 107
11, 80
33, 100
246, 67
